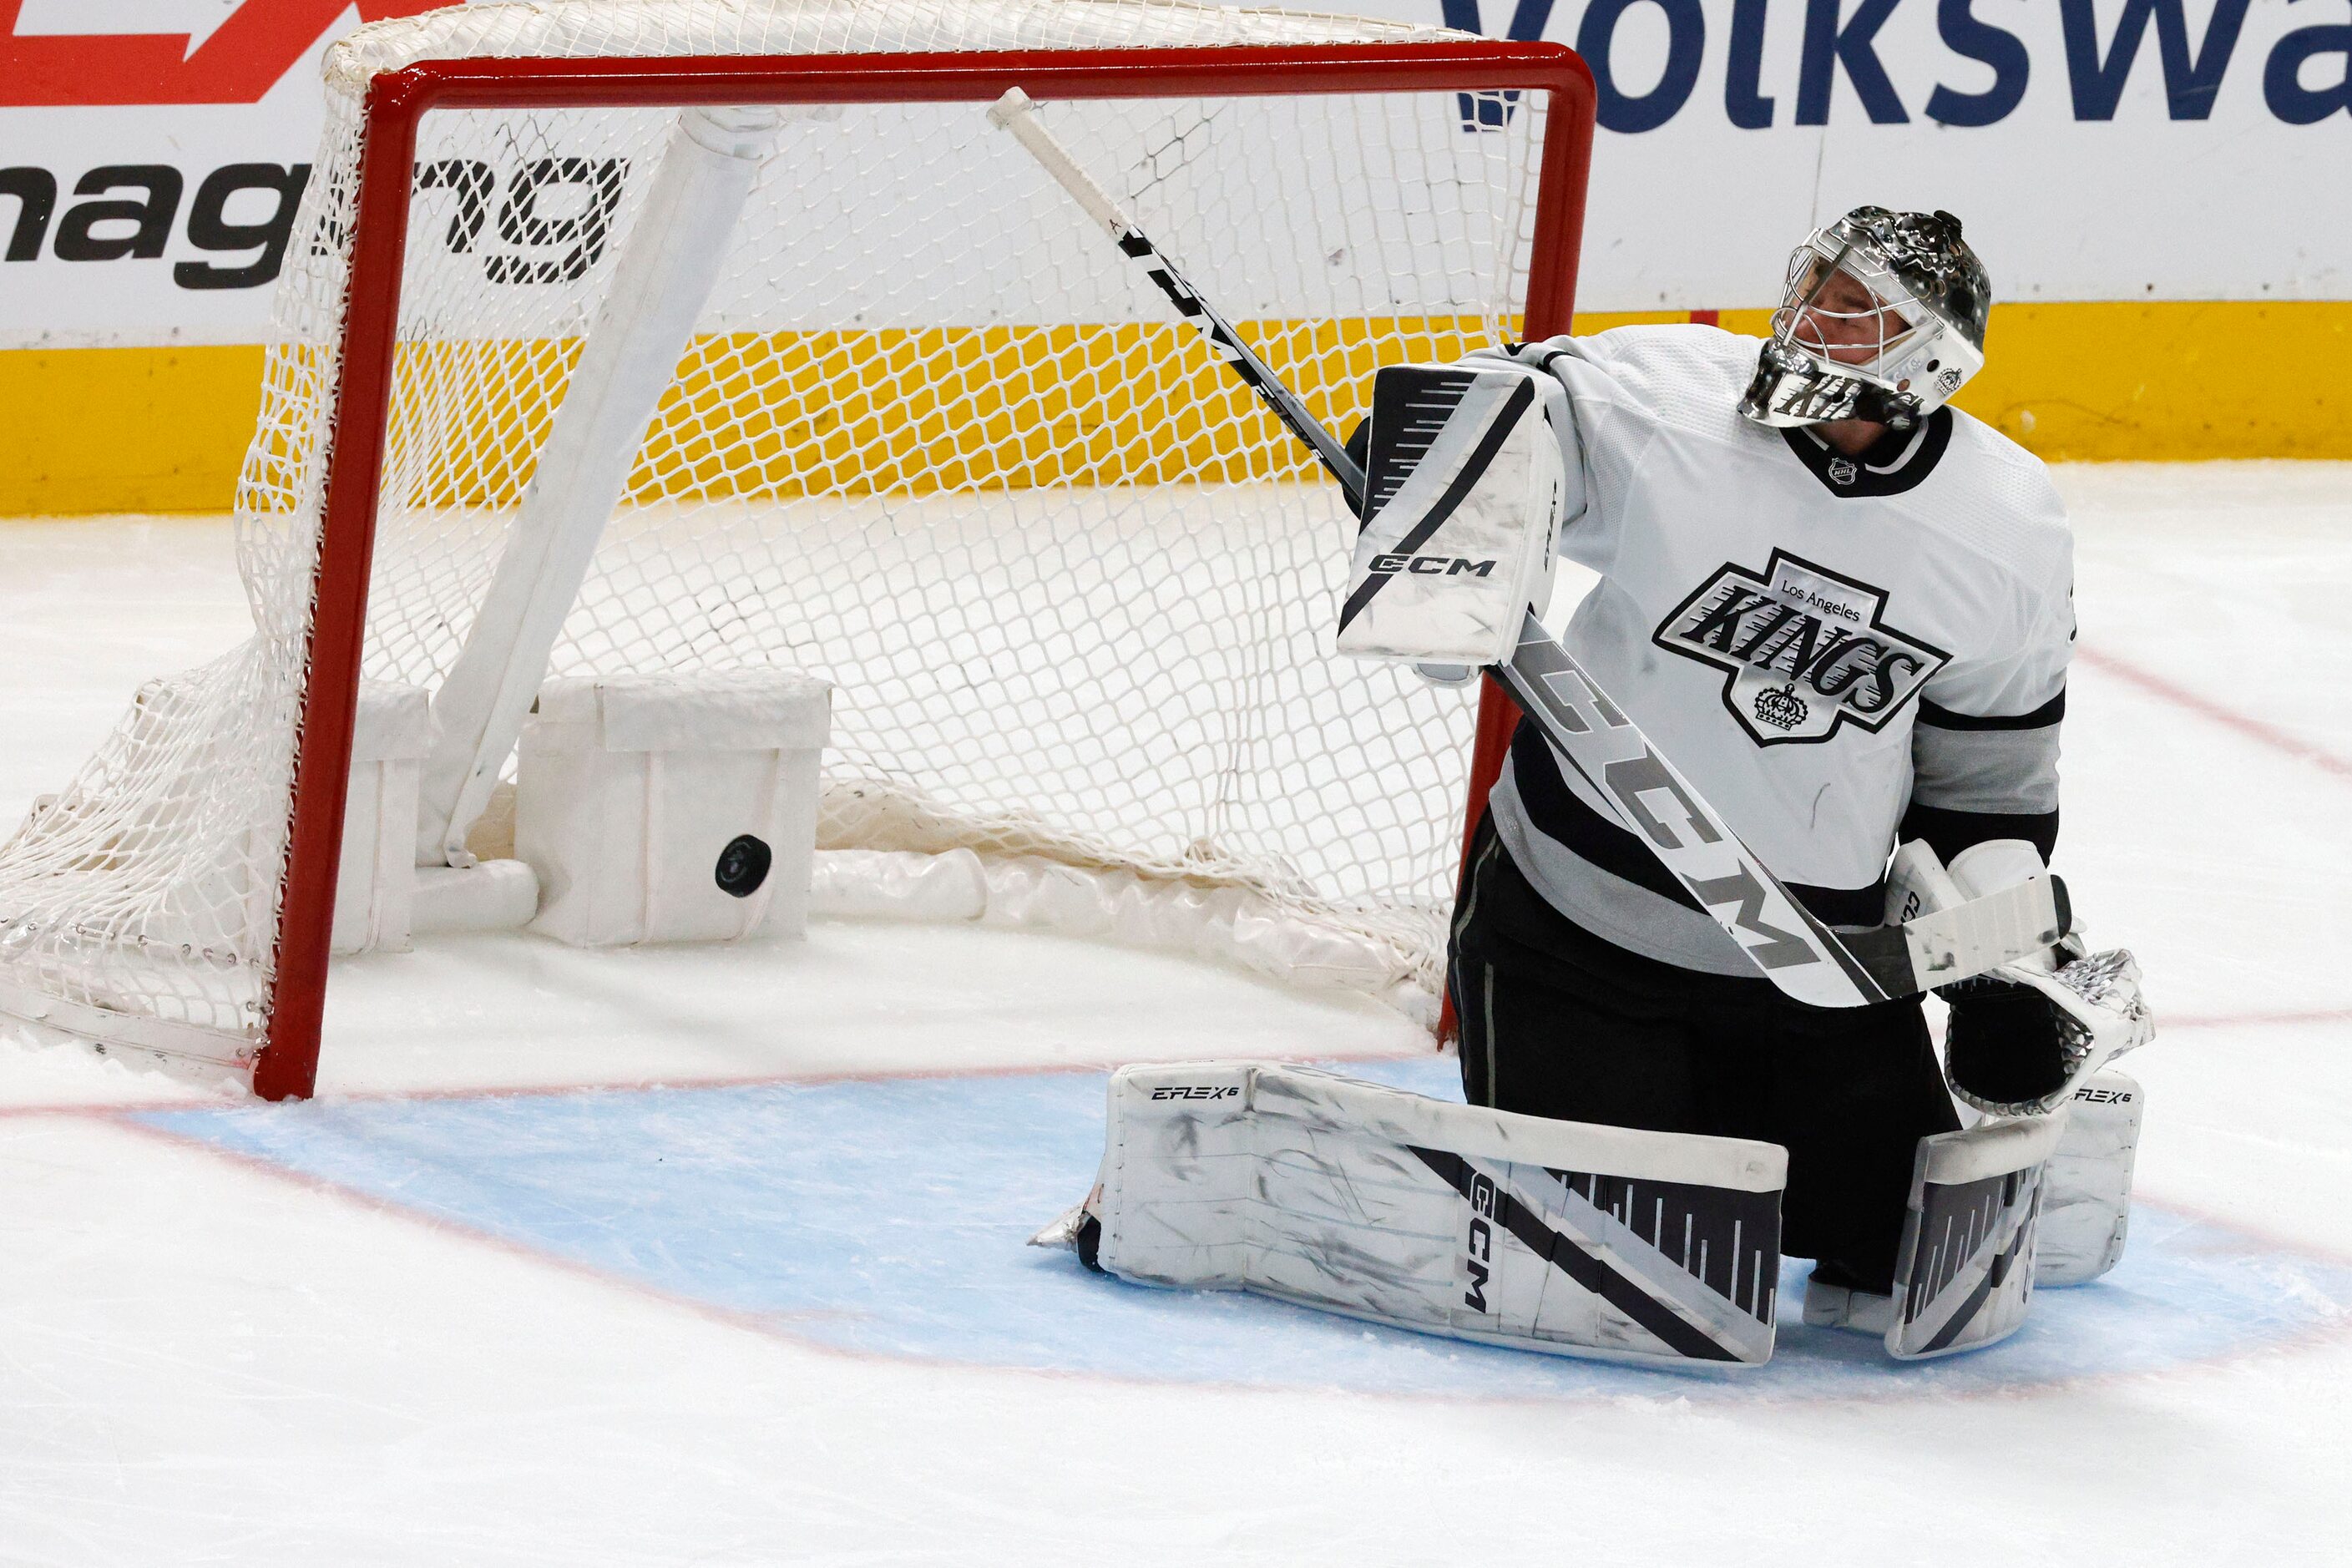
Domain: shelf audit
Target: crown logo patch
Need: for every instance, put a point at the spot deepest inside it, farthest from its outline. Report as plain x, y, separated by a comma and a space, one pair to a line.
1780, 706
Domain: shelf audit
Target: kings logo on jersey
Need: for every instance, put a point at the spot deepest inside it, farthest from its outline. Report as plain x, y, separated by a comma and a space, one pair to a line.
1805, 648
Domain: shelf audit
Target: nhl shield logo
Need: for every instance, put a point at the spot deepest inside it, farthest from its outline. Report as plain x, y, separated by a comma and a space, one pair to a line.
1805, 649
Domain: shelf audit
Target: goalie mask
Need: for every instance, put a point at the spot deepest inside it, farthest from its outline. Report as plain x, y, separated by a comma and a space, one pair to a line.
1883, 319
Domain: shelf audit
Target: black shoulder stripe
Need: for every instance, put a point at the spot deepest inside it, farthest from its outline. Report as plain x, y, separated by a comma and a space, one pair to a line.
1948, 832
2041, 718
1554, 810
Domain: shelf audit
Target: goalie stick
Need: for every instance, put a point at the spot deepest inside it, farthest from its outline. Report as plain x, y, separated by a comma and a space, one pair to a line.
1017, 113
1795, 951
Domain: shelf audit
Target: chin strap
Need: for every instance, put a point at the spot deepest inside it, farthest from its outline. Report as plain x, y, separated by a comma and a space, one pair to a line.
1791, 387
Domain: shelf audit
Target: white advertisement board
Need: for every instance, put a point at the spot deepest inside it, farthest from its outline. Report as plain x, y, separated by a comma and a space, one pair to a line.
150, 150
2095, 149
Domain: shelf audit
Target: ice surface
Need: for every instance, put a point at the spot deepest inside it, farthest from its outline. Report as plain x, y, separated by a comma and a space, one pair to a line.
886, 1216
460, 1311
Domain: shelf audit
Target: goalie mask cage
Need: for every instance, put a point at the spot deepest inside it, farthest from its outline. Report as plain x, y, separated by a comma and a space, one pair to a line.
929, 437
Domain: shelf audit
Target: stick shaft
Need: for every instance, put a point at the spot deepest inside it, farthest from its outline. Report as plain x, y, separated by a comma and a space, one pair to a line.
1652, 799
1014, 112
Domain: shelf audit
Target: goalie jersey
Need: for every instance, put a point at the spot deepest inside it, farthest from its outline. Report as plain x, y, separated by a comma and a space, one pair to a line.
1832, 649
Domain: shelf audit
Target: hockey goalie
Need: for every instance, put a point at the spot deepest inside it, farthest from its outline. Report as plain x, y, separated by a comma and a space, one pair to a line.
1843, 609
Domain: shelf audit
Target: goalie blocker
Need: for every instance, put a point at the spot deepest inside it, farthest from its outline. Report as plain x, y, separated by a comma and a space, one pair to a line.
1463, 489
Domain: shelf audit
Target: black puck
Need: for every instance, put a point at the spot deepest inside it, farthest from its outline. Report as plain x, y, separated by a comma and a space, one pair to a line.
743, 866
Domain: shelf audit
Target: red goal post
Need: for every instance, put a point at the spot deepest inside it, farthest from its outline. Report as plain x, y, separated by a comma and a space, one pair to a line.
286, 1063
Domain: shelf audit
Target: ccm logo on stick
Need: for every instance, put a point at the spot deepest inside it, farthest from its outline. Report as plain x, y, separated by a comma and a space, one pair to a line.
1195, 1091
1431, 565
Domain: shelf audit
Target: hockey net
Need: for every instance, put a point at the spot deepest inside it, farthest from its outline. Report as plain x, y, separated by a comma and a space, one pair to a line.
931, 438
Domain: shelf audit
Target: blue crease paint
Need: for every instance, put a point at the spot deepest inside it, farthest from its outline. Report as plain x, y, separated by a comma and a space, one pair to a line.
888, 1218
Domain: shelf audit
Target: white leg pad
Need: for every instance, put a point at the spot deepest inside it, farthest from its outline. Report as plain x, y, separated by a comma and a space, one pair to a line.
1965, 1272
2087, 1191
1450, 1219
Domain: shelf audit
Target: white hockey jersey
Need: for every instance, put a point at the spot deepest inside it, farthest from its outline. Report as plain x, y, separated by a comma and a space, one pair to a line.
1831, 648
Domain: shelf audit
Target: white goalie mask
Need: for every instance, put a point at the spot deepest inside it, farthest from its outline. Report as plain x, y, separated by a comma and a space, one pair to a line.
1883, 318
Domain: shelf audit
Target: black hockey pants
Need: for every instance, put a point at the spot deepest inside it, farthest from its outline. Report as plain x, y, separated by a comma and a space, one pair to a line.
1556, 1021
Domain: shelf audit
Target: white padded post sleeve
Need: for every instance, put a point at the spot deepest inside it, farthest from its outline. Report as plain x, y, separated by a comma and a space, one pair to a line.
376, 884
663, 276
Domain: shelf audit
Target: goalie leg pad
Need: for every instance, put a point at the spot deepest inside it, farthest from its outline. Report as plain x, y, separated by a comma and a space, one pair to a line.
1465, 489
2087, 1197
1450, 1219
1964, 1274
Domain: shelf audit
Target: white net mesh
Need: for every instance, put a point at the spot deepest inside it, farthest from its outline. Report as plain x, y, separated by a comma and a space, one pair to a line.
933, 438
